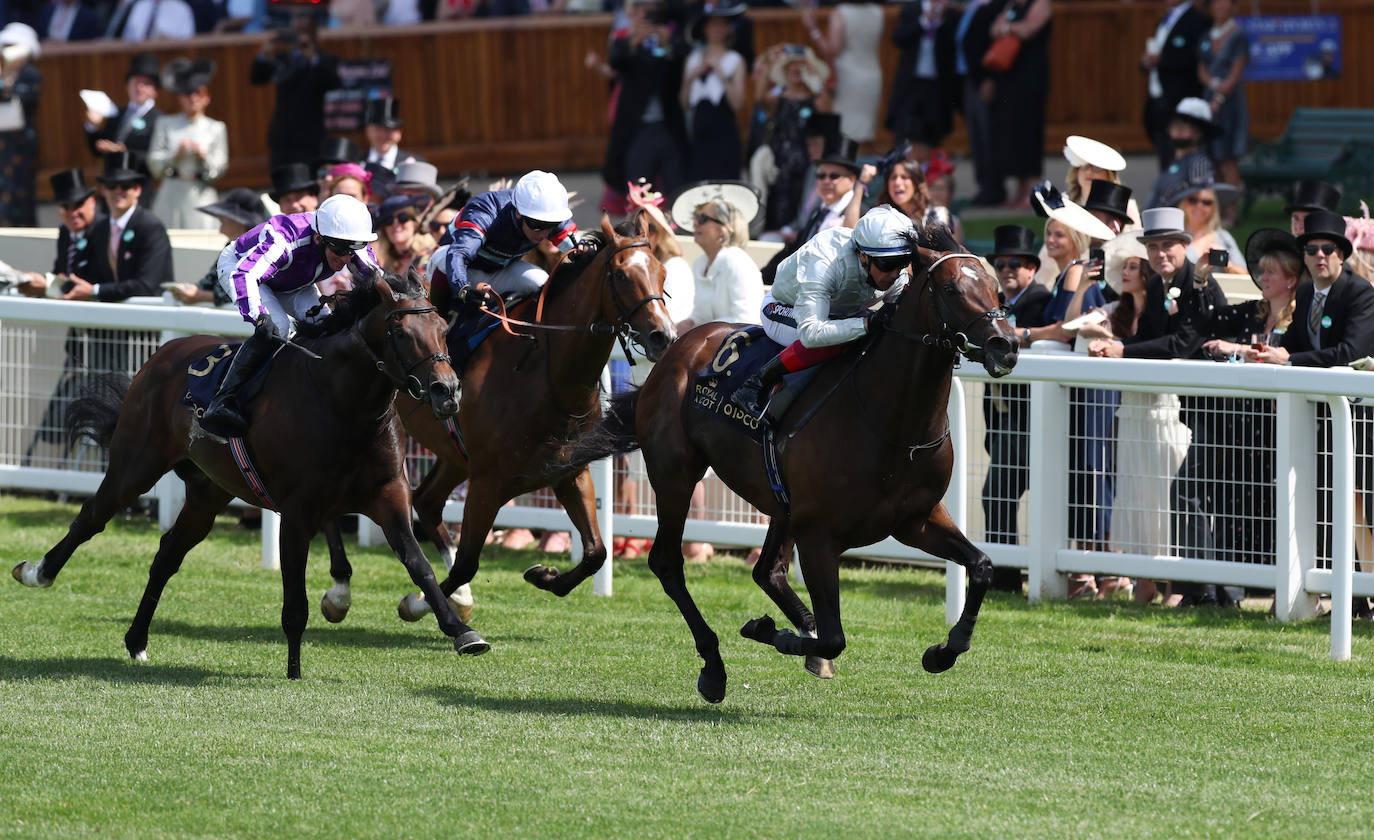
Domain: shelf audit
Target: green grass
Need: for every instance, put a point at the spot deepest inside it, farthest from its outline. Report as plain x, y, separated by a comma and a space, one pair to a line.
1065, 720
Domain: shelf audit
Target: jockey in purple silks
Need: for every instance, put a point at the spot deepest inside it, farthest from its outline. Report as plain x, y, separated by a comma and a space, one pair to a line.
270, 273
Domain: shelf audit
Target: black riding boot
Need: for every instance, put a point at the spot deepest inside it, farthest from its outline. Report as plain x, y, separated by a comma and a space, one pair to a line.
753, 393
224, 414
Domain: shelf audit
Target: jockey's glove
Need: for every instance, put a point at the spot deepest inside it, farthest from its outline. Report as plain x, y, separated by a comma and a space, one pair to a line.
474, 298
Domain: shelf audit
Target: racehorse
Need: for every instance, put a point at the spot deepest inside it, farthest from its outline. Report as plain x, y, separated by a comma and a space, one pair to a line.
873, 459
324, 438
525, 394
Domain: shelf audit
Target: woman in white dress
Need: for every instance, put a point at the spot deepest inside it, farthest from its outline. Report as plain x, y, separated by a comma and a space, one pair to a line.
189, 150
850, 42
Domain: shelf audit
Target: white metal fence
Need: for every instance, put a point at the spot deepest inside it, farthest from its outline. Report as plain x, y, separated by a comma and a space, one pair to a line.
1103, 440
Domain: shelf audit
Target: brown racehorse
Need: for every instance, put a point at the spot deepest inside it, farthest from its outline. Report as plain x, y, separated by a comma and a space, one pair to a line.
874, 459
524, 396
324, 438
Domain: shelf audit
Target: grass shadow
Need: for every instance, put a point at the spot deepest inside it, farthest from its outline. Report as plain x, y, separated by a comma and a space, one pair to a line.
114, 670
585, 707
341, 636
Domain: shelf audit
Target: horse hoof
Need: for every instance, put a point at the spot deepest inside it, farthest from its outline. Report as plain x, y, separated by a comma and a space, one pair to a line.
760, 630
541, 577
820, 668
938, 658
293, 672
711, 689
333, 613
413, 607
471, 643
138, 656
27, 574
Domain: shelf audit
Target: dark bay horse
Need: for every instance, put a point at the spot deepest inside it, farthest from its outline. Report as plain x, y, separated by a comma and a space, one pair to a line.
525, 396
874, 459
325, 440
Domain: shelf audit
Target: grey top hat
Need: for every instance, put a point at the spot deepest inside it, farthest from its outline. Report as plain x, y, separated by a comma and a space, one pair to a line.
418, 175
1163, 223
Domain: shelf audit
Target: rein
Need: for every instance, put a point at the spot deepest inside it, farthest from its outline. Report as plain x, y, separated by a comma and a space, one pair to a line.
408, 381
954, 341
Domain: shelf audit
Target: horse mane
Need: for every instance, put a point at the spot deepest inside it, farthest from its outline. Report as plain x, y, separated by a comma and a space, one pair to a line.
571, 268
936, 236
346, 308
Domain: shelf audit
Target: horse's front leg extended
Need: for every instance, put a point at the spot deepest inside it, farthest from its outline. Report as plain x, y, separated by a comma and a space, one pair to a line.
939, 536
578, 497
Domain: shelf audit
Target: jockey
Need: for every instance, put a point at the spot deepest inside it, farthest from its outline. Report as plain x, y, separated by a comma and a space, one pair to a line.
496, 229
270, 273
822, 296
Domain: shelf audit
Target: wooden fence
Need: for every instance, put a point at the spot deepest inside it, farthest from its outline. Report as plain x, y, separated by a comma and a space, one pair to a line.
506, 95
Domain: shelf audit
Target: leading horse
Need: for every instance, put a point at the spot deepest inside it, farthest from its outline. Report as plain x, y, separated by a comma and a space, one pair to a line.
873, 460
324, 438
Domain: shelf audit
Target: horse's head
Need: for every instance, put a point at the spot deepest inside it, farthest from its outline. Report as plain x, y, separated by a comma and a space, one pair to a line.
408, 338
966, 308
634, 290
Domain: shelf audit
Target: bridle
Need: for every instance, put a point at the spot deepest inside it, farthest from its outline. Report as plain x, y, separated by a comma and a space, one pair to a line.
952, 340
407, 381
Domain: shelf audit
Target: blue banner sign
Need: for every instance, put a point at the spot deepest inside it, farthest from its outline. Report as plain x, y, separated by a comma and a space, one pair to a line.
1287, 48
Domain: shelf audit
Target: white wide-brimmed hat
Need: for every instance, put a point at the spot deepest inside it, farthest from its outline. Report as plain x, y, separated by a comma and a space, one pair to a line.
1057, 206
1081, 151
814, 71
744, 197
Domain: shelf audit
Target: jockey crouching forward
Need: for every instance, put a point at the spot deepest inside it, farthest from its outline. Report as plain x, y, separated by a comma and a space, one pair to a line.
495, 230
270, 272
822, 295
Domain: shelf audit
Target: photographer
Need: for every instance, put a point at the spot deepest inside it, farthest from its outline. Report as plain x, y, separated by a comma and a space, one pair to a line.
291, 59
649, 135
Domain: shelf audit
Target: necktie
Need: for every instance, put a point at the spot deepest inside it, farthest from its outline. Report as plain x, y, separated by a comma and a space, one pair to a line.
152, 20
116, 230
813, 224
118, 19
1314, 318
71, 253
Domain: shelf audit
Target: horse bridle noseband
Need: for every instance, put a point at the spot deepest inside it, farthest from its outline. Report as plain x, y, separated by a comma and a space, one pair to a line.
408, 381
955, 341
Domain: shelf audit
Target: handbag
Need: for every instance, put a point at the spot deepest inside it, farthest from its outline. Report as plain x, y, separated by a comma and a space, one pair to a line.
1002, 54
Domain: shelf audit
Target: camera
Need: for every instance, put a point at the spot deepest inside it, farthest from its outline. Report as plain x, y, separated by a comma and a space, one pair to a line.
1218, 257
1097, 255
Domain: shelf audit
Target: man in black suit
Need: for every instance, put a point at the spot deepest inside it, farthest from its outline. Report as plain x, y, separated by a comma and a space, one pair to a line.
1006, 408
648, 136
303, 73
130, 253
131, 127
1310, 194
68, 20
1171, 60
383, 125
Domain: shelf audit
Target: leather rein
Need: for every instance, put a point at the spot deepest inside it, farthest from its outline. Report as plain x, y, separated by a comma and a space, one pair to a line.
954, 341
407, 381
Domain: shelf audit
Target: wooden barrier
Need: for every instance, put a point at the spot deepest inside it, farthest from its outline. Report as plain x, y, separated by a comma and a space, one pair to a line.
507, 95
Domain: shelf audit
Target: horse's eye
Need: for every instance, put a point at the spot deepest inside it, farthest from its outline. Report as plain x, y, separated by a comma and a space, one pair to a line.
951, 288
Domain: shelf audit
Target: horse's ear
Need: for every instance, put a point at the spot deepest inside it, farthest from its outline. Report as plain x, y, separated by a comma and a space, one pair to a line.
606, 227
380, 283
925, 256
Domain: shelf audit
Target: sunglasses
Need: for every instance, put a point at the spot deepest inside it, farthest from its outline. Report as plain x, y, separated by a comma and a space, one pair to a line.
536, 224
1205, 202
437, 227
890, 263
702, 219
1004, 264
340, 247
832, 176
397, 219
1325, 248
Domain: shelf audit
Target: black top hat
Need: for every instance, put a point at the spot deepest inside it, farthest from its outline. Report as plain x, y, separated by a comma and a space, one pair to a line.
123, 168
823, 124
143, 64
69, 186
1323, 224
1110, 198
841, 151
1312, 194
241, 205
1267, 241
1014, 241
338, 150
292, 177
384, 112
182, 75
383, 180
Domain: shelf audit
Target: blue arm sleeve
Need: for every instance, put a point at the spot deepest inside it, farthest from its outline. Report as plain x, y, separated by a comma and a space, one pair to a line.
468, 232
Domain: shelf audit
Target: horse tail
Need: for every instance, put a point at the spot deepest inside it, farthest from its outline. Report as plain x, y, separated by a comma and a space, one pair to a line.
95, 411
614, 435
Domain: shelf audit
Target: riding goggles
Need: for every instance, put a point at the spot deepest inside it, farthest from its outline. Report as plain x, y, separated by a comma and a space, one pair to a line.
892, 263
538, 224
341, 247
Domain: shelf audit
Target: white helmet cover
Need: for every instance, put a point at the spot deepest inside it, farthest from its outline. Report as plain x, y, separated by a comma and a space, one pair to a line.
884, 231
540, 196
344, 218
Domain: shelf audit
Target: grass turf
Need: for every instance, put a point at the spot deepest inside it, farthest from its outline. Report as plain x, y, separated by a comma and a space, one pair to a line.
1069, 719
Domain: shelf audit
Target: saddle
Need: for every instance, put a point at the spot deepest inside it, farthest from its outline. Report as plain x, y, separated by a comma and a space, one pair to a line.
740, 354
204, 375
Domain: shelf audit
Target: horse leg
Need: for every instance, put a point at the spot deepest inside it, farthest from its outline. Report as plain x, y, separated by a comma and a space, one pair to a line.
429, 500
578, 497
479, 512
128, 477
295, 612
204, 499
820, 565
392, 513
337, 598
939, 536
770, 573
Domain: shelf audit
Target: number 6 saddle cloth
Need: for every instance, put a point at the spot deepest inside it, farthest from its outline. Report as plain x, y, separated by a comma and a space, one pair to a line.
740, 354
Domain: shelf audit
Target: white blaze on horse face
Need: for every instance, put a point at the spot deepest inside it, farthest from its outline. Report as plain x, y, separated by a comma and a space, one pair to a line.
969, 273
638, 259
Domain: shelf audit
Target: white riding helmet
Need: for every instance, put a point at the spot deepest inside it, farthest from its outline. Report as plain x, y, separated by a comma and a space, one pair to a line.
539, 196
883, 232
346, 219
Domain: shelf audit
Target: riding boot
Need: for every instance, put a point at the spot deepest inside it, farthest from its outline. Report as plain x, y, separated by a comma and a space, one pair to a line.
224, 413
753, 393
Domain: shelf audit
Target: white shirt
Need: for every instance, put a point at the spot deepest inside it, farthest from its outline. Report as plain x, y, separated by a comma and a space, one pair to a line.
159, 19
387, 161
679, 289
730, 289
712, 88
825, 275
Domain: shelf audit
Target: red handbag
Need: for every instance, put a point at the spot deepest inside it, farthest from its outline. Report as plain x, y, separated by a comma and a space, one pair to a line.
1002, 54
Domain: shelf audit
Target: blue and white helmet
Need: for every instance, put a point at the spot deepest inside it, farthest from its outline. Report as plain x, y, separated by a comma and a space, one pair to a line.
884, 232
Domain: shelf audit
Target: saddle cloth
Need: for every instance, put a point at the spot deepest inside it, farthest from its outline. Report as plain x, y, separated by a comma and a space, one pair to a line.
205, 373
740, 354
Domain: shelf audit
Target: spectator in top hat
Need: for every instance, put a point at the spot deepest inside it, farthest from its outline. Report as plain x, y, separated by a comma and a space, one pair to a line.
131, 127
1190, 127
1310, 194
21, 81
68, 20
77, 210
383, 126
237, 212
417, 178
190, 150
292, 60
332, 152
294, 188
1171, 60
131, 253
839, 196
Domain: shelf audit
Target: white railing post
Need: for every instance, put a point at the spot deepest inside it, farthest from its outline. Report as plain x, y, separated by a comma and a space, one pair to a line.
271, 539
956, 500
1295, 505
1049, 489
1342, 526
369, 533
